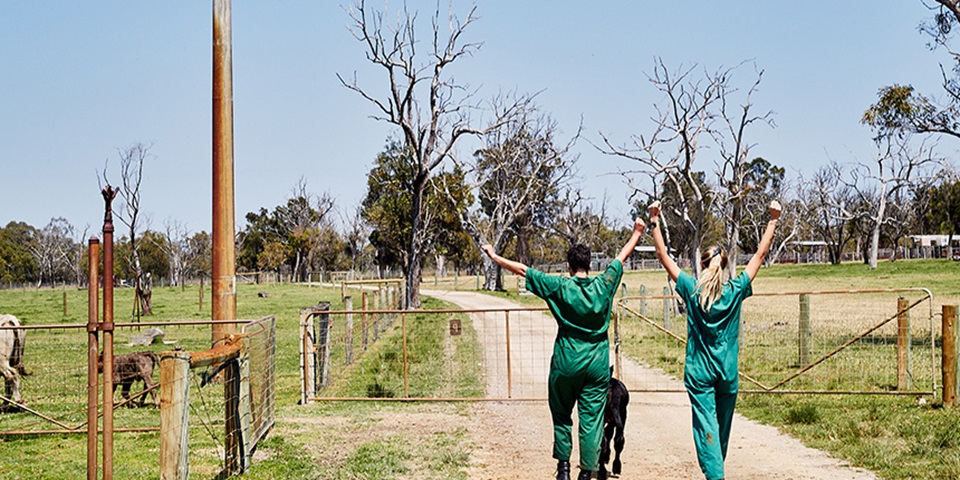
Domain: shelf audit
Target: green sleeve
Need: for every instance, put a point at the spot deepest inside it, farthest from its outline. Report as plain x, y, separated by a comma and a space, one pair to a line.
541, 284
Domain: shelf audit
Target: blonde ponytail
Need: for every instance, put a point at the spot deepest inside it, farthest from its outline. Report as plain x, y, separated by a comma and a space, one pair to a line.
710, 282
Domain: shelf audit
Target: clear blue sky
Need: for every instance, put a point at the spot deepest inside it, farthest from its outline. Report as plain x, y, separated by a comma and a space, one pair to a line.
78, 80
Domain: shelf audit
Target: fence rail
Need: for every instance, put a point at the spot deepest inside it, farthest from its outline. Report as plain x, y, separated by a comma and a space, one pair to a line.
865, 341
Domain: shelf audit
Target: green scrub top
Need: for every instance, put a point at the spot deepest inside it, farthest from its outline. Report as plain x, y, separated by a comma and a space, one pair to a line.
580, 305
713, 337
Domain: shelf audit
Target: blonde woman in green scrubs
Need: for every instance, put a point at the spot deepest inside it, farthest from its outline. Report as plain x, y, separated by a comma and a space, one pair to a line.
580, 366
710, 371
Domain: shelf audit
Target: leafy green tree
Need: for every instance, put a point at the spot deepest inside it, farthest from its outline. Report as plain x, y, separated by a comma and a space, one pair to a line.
17, 265
387, 209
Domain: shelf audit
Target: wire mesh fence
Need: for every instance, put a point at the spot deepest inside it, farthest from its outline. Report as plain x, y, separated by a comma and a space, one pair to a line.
50, 431
857, 341
429, 354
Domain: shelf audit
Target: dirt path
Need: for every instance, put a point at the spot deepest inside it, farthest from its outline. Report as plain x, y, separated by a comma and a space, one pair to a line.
514, 440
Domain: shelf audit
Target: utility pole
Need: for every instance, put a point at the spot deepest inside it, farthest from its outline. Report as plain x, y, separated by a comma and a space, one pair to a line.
224, 282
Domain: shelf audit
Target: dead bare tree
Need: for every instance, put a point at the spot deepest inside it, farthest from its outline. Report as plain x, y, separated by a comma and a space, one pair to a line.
733, 170
174, 244
829, 205
517, 176
51, 248
132, 159
429, 107
669, 153
895, 169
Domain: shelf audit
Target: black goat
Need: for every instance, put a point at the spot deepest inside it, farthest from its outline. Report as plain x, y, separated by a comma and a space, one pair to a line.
614, 420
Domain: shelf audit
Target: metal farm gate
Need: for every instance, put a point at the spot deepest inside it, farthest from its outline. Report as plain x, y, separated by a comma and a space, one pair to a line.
851, 341
824, 342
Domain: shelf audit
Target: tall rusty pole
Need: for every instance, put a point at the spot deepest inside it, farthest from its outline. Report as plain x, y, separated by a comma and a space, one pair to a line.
224, 306
109, 193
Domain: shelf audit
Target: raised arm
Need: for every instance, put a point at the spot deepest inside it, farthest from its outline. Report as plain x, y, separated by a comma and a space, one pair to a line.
765, 241
628, 247
673, 270
511, 265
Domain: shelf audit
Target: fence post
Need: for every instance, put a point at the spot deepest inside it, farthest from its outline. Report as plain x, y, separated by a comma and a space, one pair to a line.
323, 340
307, 354
403, 326
93, 347
803, 334
348, 334
903, 344
506, 314
376, 316
666, 307
363, 320
643, 300
949, 358
174, 415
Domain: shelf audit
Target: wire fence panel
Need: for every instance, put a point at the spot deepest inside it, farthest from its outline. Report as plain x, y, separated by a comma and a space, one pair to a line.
879, 341
438, 354
51, 430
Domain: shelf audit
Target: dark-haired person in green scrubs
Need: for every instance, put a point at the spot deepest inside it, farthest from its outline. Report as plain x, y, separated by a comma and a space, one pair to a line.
580, 366
710, 371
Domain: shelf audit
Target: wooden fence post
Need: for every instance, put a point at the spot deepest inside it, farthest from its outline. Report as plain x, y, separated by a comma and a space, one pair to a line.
643, 300
804, 335
348, 334
667, 310
903, 344
949, 358
323, 341
174, 415
363, 320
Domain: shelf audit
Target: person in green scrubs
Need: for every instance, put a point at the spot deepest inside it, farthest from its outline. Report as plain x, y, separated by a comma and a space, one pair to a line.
580, 366
710, 372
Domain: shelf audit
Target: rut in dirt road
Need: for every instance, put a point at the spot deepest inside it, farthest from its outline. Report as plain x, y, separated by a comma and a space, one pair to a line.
514, 439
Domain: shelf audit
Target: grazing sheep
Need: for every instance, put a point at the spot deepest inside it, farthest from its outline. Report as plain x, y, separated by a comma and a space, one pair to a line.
614, 419
130, 367
11, 359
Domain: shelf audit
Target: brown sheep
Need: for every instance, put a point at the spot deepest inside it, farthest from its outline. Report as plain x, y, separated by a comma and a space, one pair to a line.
130, 367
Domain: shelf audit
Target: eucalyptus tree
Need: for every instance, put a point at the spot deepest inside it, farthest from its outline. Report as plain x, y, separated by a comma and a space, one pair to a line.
518, 176
668, 155
431, 109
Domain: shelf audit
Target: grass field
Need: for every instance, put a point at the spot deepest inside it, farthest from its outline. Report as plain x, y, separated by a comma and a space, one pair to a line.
897, 437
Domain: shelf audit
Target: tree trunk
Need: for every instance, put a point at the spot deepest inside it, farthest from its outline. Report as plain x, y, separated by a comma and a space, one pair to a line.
875, 234
492, 282
413, 265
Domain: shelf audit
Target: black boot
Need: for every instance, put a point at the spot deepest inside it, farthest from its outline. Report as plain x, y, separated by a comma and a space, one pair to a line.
563, 470
585, 475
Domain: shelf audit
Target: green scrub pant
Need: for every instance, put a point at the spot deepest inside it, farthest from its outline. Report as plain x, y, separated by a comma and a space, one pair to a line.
579, 374
712, 418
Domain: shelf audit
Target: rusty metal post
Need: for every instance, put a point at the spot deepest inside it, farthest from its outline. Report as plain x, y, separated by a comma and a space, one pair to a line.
903, 344
107, 328
949, 359
506, 314
224, 248
403, 326
93, 348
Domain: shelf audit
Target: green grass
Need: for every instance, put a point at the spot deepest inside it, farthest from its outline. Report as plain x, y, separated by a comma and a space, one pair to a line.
57, 359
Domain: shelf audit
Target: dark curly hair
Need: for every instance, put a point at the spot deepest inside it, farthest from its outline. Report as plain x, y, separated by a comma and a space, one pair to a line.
578, 257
